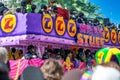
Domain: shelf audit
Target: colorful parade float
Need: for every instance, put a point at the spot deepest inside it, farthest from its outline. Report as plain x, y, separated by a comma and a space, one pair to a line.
21, 30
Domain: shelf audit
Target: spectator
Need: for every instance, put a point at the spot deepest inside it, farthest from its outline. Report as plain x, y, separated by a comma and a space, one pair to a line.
32, 73
3, 54
107, 71
52, 70
4, 71
31, 53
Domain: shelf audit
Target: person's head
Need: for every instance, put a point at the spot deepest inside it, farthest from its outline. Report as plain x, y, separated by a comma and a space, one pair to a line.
81, 52
43, 7
21, 51
87, 53
3, 71
52, 2
31, 73
13, 50
18, 10
52, 70
81, 15
107, 71
31, 48
33, 8
23, 3
3, 54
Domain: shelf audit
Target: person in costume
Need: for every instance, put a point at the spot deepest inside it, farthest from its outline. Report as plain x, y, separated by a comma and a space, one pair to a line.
43, 9
56, 10
14, 54
31, 54
3, 9
73, 14
27, 6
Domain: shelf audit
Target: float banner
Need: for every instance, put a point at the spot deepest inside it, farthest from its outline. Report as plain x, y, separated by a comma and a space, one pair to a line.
90, 36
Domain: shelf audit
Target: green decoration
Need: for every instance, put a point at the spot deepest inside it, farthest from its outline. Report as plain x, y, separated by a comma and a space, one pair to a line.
100, 55
28, 8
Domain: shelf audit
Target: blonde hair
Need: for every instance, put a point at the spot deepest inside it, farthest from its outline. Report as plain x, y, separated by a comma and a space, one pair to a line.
3, 54
52, 70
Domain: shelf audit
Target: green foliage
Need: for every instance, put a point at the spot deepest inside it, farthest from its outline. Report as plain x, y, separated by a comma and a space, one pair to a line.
88, 8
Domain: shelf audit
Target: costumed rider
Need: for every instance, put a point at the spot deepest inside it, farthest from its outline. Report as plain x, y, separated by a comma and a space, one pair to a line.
31, 54
27, 6
3, 9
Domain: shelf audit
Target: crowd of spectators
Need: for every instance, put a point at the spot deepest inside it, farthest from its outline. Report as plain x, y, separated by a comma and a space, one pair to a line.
52, 69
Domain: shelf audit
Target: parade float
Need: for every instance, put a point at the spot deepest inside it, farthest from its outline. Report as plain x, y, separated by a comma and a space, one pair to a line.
21, 30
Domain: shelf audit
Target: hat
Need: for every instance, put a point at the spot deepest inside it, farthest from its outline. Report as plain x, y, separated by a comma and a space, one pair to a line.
105, 73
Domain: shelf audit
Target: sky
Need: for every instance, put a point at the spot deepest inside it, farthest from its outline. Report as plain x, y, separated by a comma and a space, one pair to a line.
110, 9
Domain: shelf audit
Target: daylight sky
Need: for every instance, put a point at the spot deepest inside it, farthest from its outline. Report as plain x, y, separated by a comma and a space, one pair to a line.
110, 9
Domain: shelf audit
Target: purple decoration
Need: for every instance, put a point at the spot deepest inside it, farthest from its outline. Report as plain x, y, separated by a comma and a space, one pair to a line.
29, 27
